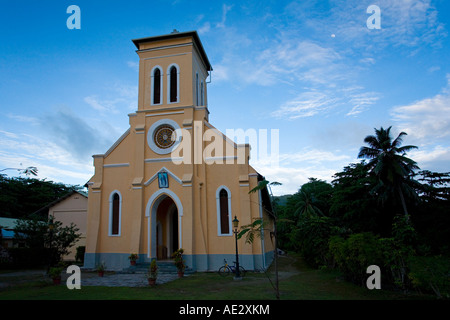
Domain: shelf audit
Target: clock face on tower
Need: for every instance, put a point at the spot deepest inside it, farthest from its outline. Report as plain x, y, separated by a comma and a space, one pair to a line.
164, 136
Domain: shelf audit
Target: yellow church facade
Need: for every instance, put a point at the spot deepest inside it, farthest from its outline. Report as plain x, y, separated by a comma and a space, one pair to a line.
172, 180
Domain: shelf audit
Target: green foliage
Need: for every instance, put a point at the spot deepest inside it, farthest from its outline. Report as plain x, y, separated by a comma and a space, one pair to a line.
356, 221
178, 259
431, 273
152, 270
352, 204
55, 272
387, 161
310, 238
20, 197
251, 230
50, 237
313, 198
354, 254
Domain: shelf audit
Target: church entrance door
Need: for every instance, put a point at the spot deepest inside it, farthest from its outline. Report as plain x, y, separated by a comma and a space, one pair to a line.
166, 229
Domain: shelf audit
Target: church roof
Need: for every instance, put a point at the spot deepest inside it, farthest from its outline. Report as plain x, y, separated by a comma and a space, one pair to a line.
175, 34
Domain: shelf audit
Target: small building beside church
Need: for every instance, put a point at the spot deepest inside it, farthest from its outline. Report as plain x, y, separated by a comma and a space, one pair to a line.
71, 209
172, 180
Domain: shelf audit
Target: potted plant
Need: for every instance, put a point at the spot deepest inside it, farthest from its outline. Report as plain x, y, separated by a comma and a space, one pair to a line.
101, 269
55, 274
133, 257
179, 262
152, 273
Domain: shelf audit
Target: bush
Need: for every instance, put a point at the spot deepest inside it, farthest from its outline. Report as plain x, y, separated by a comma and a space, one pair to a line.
431, 274
354, 254
310, 239
397, 256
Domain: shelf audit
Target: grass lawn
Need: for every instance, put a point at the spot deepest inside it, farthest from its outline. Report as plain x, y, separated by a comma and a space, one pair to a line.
297, 281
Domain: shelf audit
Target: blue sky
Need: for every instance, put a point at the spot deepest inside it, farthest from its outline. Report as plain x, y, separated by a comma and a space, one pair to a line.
311, 69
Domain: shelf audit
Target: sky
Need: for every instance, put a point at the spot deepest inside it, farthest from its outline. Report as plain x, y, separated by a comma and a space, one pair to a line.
322, 75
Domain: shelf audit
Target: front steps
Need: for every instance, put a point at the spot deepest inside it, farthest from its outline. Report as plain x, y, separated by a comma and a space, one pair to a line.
164, 267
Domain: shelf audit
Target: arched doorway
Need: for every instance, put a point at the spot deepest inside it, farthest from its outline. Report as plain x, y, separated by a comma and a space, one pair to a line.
166, 228
164, 212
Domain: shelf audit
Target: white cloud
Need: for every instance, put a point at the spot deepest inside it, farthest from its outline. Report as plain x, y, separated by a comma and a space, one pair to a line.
430, 155
306, 104
52, 160
427, 119
427, 123
313, 102
295, 169
133, 65
204, 28
361, 101
225, 10
291, 60
403, 23
120, 97
94, 103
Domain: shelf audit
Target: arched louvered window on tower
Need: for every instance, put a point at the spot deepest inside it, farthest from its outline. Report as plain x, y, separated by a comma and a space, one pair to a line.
156, 86
173, 81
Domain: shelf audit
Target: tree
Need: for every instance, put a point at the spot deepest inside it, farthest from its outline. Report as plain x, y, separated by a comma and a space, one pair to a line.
352, 204
436, 185
21, 197
390, 165
256, 227
47, 236
313, 198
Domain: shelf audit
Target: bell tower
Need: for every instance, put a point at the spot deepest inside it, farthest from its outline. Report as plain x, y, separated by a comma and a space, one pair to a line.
173, 71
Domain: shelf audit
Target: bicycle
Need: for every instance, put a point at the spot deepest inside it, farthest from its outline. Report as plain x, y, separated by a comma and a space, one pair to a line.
227, 269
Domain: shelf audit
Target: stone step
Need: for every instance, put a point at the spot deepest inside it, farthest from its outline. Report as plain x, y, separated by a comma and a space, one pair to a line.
164, 267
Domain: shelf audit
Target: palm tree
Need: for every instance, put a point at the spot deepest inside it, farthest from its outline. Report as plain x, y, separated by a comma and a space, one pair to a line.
307, 205
389, 164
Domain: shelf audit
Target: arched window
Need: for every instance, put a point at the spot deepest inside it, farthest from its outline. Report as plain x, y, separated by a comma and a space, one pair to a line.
223, 199
115, 212
156, 86
173, 84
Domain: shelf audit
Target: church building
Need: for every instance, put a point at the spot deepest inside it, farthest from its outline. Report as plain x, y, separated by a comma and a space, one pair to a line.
172, 180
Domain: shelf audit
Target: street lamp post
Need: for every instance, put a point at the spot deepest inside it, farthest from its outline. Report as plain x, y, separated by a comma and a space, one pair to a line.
236, 225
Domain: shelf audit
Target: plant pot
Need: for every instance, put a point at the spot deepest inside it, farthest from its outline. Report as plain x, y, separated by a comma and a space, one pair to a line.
180, 274
151, 282
57, 280
133, 263
101, 273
